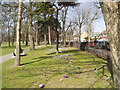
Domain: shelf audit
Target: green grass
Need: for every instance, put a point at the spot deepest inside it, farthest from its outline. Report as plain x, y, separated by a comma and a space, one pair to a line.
44, 66
6, 49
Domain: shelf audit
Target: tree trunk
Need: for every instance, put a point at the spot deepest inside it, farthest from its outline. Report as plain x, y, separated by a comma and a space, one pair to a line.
57, 34
45, 39
69, 41
37, 37
26, 38
17, 62
31, 39
89, 36
64, 39
57, 43
13, 37
8, 37
88, 39
49, 31
64, 20
111, 14
80, 33
23, 38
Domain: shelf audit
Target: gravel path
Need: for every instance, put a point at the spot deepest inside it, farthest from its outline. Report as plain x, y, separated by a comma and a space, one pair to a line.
10, 56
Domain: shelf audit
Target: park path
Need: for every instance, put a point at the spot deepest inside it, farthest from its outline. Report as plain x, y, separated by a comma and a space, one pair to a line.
9, 56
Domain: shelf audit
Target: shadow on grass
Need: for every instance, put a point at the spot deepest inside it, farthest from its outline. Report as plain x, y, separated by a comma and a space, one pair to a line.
23, 55
43, 57
70, 51
93, 62
23, 46
51, 53
30, 62
85, 54
64, 52
7, 47
40, 59
45, 48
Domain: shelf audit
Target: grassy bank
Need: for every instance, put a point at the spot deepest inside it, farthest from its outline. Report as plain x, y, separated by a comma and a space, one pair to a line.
44, 66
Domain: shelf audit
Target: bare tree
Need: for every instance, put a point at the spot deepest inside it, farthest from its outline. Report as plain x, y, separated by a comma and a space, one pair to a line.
80, 19
70, 34
89, 24
64, 14
9, 20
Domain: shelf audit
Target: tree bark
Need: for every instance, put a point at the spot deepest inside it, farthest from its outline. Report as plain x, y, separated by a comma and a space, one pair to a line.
111, 14
49, 31
17, 62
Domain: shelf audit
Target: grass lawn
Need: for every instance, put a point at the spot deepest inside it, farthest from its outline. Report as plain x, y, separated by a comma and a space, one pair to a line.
44, 66
6, 49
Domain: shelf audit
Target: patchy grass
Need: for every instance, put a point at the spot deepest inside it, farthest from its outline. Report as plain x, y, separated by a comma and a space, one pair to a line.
44, 66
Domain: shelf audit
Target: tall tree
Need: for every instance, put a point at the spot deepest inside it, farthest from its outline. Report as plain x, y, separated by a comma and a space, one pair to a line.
56, 27
30, 30
59, 7
89, 24
70, 34
111, 14
7, 20
64, 14
25, 31
42, 14
18, 29
80, 19
9, 17
14, 27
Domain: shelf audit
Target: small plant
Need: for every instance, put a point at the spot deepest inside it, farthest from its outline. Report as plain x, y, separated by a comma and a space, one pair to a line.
77, 67
97, 72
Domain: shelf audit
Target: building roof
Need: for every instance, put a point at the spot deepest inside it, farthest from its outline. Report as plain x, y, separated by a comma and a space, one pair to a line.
95, 33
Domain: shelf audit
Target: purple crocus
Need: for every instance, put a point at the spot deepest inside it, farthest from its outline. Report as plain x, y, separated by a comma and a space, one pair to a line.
65, 76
